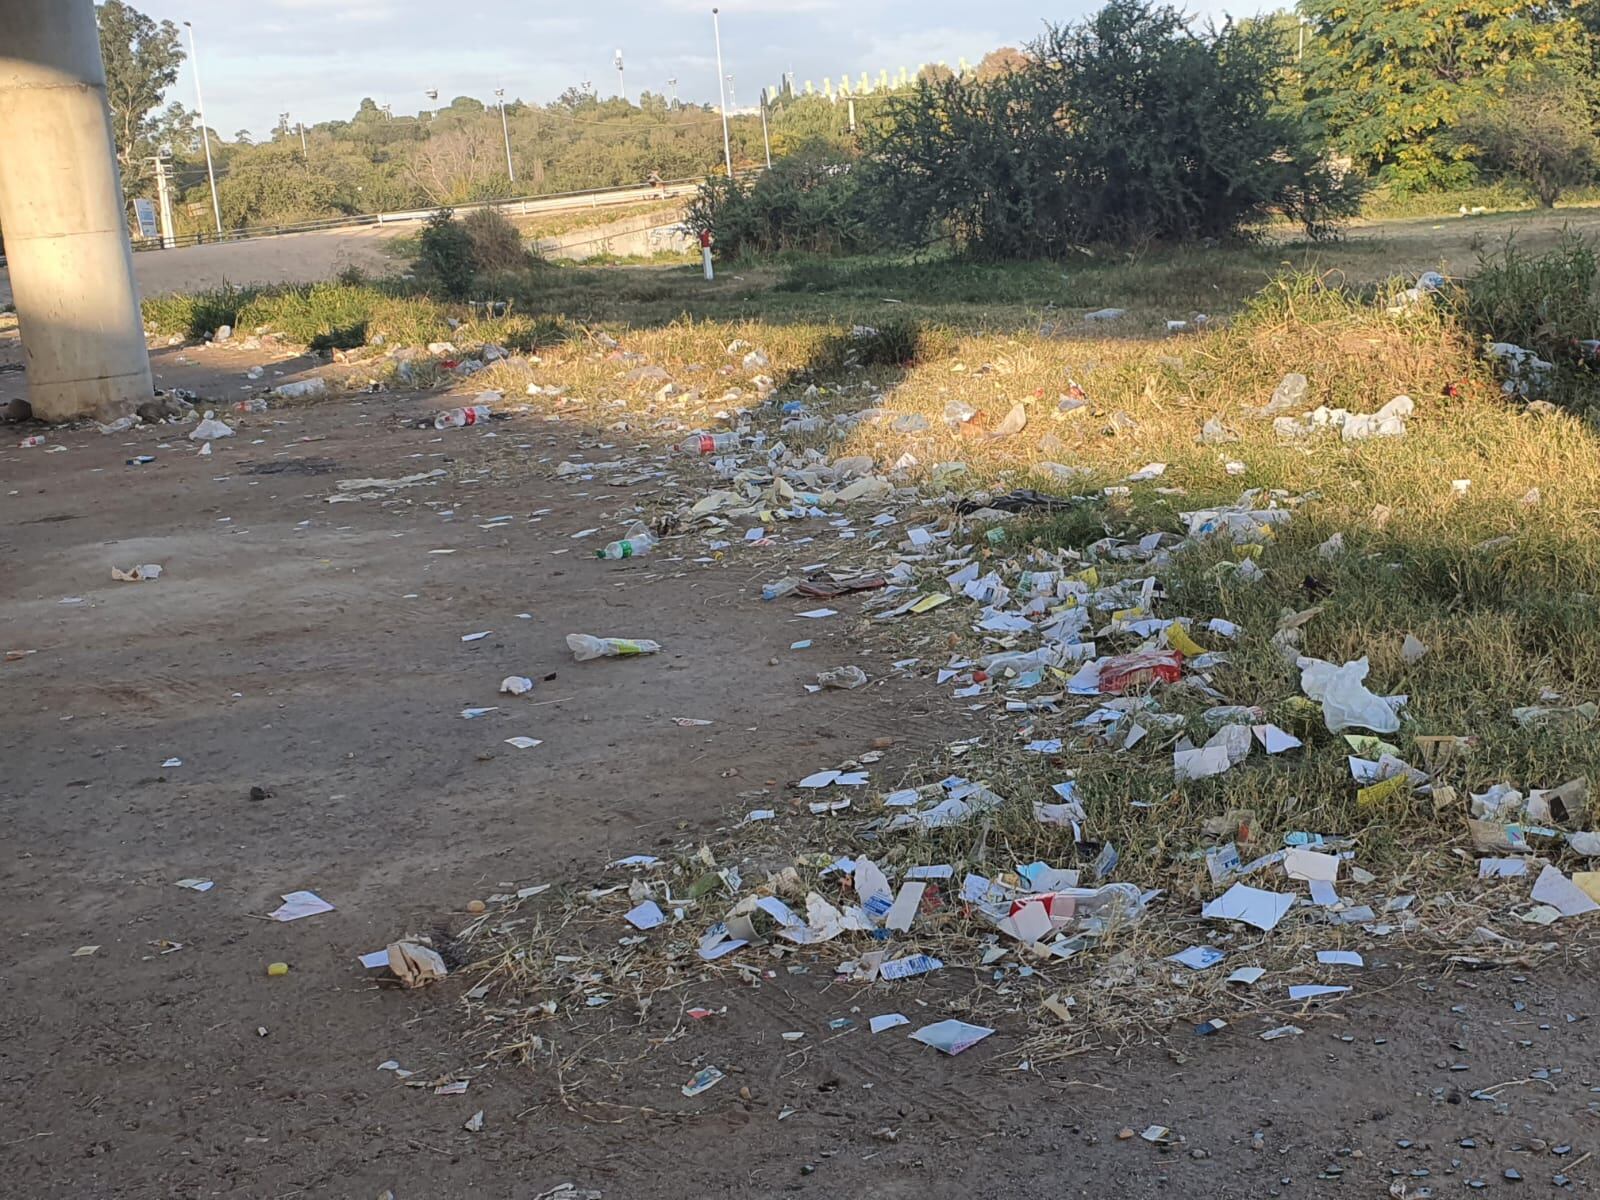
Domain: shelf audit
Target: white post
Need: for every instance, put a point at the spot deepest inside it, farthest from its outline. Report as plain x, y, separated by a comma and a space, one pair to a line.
705, 258
727, 151
505, 132
205, 136
164, 203
765, 140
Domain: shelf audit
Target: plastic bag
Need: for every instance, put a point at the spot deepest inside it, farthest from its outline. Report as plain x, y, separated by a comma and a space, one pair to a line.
209, 428
1345, 701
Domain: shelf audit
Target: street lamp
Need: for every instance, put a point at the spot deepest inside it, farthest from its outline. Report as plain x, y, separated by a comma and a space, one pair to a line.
205, 134
622, 88
505, 132
672, 86
727, 148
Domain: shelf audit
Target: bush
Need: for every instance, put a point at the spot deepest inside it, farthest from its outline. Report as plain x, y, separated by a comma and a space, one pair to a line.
1538, 133
1124, 127
197, 314
1545, 303
807, 203
496, 243
445, 255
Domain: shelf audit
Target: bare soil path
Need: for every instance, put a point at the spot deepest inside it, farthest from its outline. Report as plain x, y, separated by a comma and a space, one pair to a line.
313, 651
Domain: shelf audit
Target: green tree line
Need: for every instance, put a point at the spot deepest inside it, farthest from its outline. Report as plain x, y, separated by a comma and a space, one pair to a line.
1410, 94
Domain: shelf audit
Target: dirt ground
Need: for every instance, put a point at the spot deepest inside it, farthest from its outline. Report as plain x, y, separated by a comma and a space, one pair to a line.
313, 651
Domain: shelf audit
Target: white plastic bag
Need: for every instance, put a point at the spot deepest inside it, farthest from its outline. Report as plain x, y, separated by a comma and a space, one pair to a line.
1345, 701
209, 429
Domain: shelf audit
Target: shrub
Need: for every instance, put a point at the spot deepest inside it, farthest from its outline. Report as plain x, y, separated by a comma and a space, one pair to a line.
496, 243
808, 203
1124, 127
445, 255
1544, 303
197, 314
1538, 133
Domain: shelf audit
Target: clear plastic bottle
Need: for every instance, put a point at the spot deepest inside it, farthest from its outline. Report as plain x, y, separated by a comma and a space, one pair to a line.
639, 541
475, 414
585, 646
771, 591
710, 443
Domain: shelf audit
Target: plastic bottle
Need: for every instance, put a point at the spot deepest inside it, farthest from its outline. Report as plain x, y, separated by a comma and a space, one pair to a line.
475, 414
584, 647
771, 591
710, 443
638, 542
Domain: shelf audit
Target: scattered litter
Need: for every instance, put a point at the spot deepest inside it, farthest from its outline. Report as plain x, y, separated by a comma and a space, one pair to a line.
585, 647
300, 904
646, 916
140, 574
1253, 906
1311, 991
1340, 958
524, 743
951, 1036
413, 964
701, 1080
209, 429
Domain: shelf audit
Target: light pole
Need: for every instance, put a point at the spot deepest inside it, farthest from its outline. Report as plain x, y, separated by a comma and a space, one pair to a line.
672, 87
205, 134
505, 132
727, 147
766, 142
622, 87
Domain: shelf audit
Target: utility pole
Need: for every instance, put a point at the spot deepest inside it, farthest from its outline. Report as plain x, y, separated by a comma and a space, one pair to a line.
622, 87
205, 134
505, 132
672, 86
765, 140
727, 150
304, 153
164, 202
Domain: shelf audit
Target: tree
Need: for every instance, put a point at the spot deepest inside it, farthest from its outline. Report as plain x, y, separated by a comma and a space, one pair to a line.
1389, 79
141, 62
1001, 61
1539, 131
460, 165
1126, 126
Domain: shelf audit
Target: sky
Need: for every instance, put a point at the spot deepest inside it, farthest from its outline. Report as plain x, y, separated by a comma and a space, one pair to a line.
316, 59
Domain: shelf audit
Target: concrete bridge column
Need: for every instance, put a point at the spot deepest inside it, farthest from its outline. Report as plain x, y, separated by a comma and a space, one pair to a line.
62, 213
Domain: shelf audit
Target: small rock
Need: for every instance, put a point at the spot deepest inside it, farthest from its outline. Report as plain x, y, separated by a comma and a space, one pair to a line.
476, 906
1198, 1153
1124, 1134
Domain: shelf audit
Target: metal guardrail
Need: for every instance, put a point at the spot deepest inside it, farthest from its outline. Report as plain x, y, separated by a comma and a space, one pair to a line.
521, 206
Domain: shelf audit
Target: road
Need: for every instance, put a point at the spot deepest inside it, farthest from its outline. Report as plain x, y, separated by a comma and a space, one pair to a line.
323, 253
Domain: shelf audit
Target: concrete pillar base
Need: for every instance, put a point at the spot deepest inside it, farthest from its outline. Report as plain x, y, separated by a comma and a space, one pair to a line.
67, 247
